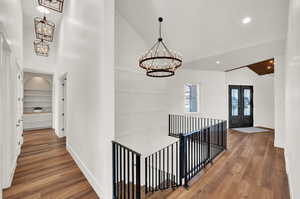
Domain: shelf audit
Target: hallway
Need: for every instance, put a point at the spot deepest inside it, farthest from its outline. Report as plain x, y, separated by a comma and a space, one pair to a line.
251, 168
46, 170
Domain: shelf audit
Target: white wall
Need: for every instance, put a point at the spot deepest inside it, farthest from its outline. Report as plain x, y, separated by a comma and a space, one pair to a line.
2, 116
212, 92
11, 24
141, 101
263, 94
11, 19
292, 100
9, 135
86, 53
279, 90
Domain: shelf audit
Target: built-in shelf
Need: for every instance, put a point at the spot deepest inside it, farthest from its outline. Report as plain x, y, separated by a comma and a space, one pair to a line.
37, 101
37, 94
37, 90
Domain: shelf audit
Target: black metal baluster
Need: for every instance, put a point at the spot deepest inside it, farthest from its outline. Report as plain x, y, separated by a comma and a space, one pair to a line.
128, 175
146, 173
124, 172
152, 173
189, 155
177, 124
163, 171
114, 170
168, 177
172, 167
178, 178
222, 130
132, 176
197, 151
121, 174
159, 171
138, 177
219, 132
156, 171
194, 153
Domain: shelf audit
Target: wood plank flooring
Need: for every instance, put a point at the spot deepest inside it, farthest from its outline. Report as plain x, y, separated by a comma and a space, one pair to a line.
251, 168
45, 170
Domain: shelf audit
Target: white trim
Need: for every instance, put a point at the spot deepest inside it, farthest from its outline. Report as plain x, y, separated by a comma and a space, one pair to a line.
11, 173
287, 168
86, 172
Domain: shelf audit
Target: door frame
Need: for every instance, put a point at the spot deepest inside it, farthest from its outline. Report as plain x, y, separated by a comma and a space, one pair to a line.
230, 104
62, 126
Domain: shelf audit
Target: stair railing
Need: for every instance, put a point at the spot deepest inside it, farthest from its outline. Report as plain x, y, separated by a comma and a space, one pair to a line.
126, 172
162, 169
201, 140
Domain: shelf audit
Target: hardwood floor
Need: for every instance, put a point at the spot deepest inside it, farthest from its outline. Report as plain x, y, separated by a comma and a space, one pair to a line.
45, 170
251, 168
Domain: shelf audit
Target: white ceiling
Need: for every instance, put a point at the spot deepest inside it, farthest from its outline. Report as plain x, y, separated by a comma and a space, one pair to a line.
205, 31
29, 13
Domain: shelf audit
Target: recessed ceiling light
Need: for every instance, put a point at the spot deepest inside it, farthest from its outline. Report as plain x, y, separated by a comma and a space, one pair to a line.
246, 20
269, 67
271, 61
218, 62
42, 9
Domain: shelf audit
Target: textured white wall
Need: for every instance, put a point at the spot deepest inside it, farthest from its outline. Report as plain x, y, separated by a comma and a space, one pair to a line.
11, 19
292, 100
263, 96
279, 84
141, 101
10, 147
86, 53
212, 92
11, 24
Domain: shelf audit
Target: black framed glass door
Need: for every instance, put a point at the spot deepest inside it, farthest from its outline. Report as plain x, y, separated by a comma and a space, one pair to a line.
240, 106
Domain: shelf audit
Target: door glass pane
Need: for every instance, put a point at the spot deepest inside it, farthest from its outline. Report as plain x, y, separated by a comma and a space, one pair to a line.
247, 100
235, 102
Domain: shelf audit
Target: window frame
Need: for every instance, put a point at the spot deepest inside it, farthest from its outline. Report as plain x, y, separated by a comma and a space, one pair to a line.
197, 94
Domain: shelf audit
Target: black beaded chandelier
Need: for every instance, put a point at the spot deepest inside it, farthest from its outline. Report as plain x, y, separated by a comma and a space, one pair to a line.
41, 48
56, 5
44, 29
160, 61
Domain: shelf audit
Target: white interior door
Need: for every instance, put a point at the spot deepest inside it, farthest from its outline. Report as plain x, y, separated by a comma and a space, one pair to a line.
10, 113
19, 108
62, 106
2, 116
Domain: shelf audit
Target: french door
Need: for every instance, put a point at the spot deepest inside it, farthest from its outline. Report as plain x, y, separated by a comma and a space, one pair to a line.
240, 106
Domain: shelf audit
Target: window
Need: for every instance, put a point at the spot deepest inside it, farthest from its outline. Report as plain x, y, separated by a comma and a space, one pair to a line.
235, 102
247, 102
191, 98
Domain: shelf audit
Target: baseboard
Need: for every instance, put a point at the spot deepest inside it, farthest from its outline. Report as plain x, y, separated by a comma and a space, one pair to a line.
86, 172
11, 174
271, 129
58, 133
286, 158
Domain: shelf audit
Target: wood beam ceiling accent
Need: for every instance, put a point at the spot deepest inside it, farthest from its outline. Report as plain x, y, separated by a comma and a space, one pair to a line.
261, 68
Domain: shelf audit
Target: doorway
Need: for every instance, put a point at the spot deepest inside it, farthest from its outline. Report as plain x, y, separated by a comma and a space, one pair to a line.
38, 94
240, 106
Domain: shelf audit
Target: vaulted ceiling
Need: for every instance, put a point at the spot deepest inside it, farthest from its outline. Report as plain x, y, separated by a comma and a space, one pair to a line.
30, 11
207, 31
